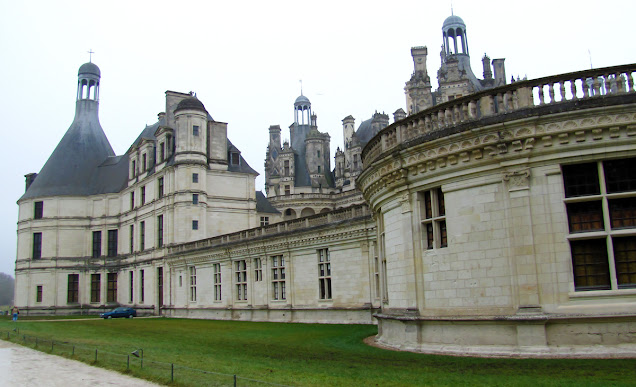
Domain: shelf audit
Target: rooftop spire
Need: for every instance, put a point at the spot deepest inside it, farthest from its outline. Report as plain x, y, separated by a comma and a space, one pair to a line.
90, 55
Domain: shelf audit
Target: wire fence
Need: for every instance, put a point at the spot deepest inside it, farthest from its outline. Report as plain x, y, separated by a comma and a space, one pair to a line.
133, 363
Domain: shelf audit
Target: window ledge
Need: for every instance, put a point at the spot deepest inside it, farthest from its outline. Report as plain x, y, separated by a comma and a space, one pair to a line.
602, 293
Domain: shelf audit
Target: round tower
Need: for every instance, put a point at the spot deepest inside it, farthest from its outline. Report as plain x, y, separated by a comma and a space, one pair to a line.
302, 111
454, 32
88, 82
191, 133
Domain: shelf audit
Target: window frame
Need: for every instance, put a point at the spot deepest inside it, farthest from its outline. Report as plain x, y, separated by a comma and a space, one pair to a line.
324, 275
433, 229
278, 278
240, 279
72, 290
217, 282
593, 249
96, 284
38, 210
36, 252
97, 244
192, 281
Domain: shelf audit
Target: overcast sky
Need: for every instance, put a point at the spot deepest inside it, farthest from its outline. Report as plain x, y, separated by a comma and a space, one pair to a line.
244, 59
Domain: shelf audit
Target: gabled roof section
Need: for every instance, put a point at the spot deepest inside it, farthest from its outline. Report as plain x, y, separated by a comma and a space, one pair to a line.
263, 205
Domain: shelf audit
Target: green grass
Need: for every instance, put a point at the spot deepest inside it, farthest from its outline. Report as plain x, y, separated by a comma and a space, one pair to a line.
310, 355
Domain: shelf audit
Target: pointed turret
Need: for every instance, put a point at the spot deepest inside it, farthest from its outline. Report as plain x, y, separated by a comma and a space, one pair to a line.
72, 168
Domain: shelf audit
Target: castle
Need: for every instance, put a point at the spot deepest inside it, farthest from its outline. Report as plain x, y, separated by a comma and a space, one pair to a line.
493, 219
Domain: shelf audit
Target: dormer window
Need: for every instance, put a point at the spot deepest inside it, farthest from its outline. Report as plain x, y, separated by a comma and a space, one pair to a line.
162, 151
234, 158
195, 130
134, 169
143, 162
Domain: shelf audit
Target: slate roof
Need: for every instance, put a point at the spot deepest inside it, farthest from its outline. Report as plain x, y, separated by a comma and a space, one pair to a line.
84, 163
263, 205
80, 164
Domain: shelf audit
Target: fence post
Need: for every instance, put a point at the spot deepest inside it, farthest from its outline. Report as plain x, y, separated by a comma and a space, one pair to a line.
234, 380
73, 351
95, 355
128, 362
52, 346
36, 342
171, 372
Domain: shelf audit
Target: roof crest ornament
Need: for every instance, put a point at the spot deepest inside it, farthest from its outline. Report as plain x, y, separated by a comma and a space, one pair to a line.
90, 55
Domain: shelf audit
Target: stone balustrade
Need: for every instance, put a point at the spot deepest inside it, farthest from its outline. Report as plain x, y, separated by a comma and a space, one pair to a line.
353, 212
515, 97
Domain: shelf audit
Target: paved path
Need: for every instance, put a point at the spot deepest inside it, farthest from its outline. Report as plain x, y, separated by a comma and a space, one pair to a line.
21, 366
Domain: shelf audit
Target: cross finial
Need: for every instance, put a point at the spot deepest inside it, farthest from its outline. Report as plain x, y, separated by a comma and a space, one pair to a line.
301, 86
90, 55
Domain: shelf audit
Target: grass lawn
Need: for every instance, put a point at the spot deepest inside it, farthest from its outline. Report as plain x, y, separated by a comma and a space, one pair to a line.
314, 354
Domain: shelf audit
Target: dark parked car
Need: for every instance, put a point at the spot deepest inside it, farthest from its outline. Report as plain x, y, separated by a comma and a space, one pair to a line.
120, 312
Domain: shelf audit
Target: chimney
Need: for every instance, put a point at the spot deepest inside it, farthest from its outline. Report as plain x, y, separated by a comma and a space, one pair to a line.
29, 177
500, 72
487, 70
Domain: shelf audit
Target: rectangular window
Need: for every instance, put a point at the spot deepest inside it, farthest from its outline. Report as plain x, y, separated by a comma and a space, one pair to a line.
318, 153
264, 221
132, 200
132, 238
376, 269
319, 169
143, 162
217, 281
240, 272
72, 295
142, 236
38, 293
160, 188
143, 195
195, 177
96, 284
287, 190
37, 245
600, 202
38, 210
111, 287
97, 244
433, 219
193, 283
195, 130
112, 243
234, 158
258, 269
160, 231
162, 151
131, 287
286, 167
195, 224
195, 198
324, 274
141, 286
278, 277
133, 171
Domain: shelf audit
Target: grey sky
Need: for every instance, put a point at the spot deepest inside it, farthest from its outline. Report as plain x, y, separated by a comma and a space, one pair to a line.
244, 59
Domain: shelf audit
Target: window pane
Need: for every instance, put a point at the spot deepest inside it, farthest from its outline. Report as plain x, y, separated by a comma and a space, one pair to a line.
619, 175
625, 260
589, 262
429, 236
428, 213
586, 216
440, 203
581, 180
442, 234
623, 212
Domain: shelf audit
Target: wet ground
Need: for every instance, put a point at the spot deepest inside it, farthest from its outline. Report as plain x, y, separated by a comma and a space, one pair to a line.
21, 366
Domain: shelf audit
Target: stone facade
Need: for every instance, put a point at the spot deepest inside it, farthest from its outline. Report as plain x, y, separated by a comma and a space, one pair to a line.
490, 244
496, 223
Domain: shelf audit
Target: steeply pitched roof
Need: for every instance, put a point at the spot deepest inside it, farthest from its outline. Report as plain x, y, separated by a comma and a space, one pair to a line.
263, 205
72, 167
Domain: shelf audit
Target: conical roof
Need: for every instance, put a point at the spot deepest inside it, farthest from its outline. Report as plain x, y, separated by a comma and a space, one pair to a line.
73, 167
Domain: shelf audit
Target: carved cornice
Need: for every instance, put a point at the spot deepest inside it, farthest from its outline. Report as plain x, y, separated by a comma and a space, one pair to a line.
500, 142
